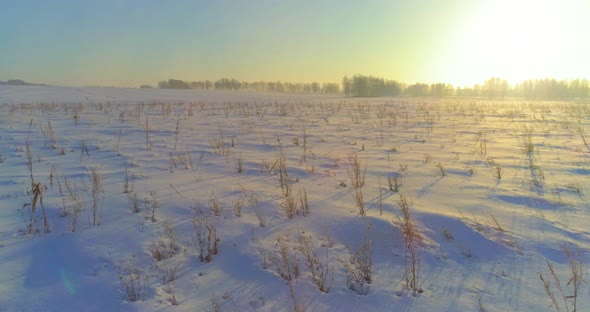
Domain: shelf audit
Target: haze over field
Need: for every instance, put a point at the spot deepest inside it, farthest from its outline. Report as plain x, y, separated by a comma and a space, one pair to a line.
129, 43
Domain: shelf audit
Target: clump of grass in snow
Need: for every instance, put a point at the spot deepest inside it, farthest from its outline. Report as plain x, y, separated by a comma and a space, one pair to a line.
133, 280
394, 183
238, 205
214, 204
151, 204
167, 245
359, 267
206, 237
286, 261
319, 269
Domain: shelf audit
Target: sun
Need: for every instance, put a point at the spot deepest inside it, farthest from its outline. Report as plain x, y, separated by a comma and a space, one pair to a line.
514, 40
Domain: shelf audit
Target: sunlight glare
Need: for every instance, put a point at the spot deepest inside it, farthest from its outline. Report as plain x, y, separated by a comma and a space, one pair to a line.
515, 40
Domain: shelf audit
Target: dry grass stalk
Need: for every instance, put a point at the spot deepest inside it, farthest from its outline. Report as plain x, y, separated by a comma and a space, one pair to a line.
118, 141
358, 198
148, 144
357, 179
357, 173
498, 226
37, 197
96, 190
289, 206
441, 168
380, 198
29, 161
128, 186
176, 133
151, 204
239, 165
304, 202
557, 292
238, 204
413, 239
297, 305
260, 217
214, 204
84, 153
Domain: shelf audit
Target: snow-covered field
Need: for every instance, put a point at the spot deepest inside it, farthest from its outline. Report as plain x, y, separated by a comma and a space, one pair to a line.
495, 189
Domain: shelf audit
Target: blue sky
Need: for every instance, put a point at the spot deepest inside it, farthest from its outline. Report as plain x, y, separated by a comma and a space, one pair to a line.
128, 43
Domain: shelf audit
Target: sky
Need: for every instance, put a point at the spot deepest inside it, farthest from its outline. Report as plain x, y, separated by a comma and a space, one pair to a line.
132, 42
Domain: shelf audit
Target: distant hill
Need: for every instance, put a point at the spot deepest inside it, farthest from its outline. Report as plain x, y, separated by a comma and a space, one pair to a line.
17, 82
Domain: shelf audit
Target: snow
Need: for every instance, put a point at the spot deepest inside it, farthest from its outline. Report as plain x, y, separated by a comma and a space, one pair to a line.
485, 240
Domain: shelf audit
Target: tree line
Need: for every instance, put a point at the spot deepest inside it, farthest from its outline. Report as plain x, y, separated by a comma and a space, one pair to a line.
371, 86
261, 86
